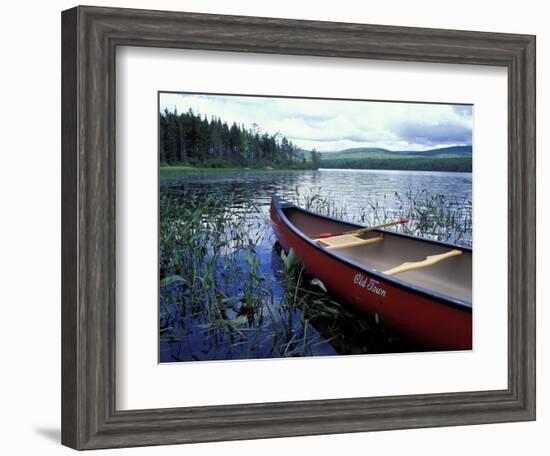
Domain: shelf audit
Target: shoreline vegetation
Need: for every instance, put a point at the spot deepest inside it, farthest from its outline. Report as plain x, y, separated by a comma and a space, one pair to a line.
191, 143
451, 164
183, 170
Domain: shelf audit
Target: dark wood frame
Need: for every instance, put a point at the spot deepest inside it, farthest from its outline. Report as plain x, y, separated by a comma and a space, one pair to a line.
90, 36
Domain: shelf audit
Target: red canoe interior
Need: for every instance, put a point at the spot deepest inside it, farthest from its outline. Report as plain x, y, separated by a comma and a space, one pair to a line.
451, 276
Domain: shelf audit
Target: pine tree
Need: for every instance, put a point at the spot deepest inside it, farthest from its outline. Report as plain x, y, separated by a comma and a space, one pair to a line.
189, 138
315, 158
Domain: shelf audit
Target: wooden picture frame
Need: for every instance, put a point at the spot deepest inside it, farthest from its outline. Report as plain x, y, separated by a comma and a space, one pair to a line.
90, 36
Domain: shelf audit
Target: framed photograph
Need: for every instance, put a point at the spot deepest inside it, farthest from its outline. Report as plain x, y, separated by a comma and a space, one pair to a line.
268, 225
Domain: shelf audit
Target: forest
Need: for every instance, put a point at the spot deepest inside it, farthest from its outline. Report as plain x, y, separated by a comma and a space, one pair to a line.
191, 139
446, 164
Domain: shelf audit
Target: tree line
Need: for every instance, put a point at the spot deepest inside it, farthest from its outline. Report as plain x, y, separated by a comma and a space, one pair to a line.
450, 164
191, 139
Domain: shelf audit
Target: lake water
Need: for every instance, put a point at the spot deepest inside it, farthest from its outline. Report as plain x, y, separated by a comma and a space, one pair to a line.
438, 204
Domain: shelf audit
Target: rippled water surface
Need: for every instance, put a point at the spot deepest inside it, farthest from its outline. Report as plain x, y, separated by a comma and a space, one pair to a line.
439, 205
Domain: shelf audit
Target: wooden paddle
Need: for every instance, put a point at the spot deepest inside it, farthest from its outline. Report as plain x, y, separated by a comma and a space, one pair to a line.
363, 230
429, 261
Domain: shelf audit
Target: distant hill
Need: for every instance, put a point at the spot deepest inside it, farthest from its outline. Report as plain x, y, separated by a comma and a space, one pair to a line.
456, 151
356, 153
455, 158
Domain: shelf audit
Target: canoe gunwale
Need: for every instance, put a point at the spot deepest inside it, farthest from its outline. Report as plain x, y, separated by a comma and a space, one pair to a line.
465, 306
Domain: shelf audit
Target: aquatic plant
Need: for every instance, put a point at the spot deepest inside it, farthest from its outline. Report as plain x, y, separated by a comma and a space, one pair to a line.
219, 299
432, 215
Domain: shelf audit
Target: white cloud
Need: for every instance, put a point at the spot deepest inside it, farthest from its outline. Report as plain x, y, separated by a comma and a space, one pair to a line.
337, 124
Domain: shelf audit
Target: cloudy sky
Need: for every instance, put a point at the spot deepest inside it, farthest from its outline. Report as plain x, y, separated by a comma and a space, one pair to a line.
329, 125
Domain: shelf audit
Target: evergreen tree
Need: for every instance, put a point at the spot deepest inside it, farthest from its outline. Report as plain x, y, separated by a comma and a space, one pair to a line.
188, 138
315, 158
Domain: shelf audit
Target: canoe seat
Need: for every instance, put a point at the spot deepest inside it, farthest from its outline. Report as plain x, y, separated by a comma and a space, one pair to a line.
429, 261
345, 241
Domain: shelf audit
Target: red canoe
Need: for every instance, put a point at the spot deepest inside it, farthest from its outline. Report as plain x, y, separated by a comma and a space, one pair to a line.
419, 288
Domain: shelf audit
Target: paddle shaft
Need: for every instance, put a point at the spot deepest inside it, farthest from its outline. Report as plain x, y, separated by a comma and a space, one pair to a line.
377, 227
364, 230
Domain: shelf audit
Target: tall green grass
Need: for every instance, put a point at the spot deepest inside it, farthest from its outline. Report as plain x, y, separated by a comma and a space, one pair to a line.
432, 215
218, 300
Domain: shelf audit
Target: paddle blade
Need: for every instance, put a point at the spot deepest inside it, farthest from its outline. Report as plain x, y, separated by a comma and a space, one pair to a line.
404, 220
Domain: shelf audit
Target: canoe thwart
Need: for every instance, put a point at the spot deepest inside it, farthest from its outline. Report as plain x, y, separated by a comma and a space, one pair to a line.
345, 241
429, 261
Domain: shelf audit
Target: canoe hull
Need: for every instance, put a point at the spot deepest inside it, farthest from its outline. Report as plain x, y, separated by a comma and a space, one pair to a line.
424, 319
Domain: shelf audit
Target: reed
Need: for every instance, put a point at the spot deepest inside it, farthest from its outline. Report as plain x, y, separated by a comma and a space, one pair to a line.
432, 215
